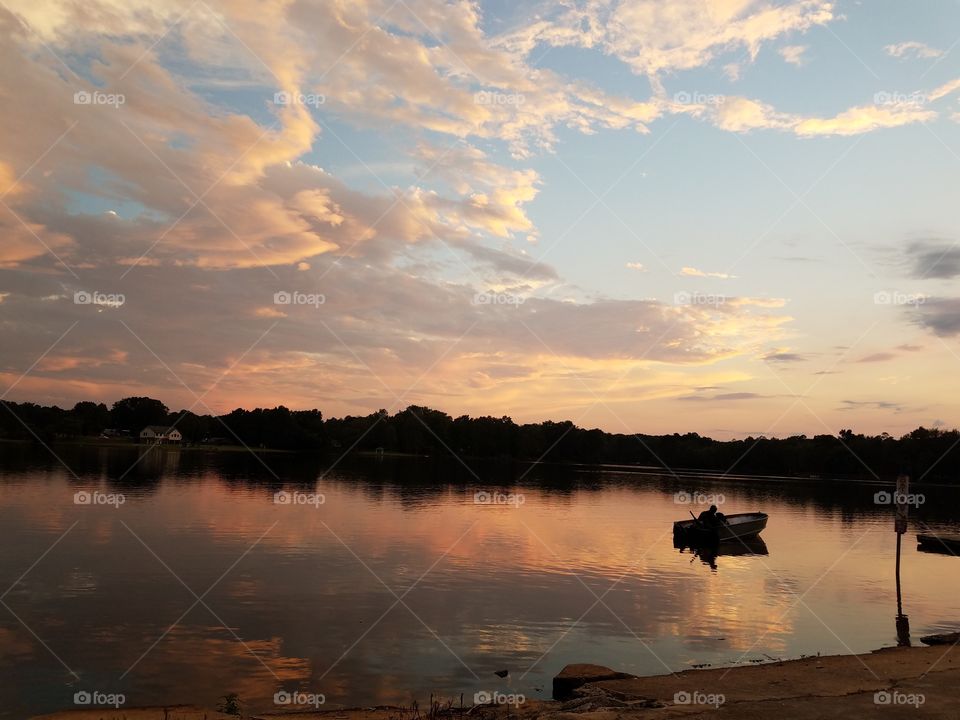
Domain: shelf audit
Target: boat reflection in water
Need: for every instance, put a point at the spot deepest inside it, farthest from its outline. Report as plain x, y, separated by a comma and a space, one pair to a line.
940, 543
708, 553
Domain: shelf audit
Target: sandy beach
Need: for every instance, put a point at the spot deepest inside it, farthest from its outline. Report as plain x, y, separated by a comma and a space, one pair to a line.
915, 682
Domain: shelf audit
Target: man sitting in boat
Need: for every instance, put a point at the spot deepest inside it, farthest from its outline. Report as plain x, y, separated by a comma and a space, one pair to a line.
711, 518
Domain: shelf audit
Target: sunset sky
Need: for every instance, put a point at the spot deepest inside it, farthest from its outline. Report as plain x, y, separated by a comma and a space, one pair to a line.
732, 217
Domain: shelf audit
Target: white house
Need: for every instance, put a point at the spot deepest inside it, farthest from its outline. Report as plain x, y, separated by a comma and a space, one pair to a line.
160, 434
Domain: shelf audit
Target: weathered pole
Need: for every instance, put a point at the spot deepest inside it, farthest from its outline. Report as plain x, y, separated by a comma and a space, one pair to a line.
900, 525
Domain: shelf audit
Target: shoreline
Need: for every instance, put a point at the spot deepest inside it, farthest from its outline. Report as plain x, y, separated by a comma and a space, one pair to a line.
899, 682
640, 469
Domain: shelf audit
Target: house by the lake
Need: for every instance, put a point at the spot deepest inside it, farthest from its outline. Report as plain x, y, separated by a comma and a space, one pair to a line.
160, 434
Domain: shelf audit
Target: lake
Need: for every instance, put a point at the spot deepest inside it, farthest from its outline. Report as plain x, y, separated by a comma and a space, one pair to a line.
174, 576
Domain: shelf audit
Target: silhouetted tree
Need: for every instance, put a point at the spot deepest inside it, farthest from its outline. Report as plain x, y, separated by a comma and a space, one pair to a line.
91, 418
135, 413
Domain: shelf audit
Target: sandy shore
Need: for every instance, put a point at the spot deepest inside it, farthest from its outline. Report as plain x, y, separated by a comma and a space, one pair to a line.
890, 683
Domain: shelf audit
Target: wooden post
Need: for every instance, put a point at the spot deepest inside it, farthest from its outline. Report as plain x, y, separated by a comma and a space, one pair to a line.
899, 596
900, 525
900, 499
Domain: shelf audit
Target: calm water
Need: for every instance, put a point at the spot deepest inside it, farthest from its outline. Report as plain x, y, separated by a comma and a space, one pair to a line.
400, 585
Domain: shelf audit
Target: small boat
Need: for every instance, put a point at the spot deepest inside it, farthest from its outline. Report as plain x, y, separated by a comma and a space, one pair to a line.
735, 527
945, 543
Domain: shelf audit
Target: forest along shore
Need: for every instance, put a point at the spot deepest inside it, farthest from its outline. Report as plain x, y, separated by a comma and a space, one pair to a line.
908, 682
931, 453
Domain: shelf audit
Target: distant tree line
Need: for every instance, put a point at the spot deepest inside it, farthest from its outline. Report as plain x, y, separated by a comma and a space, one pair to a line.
423, 431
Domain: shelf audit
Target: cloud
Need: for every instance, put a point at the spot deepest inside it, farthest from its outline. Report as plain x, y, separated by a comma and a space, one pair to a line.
944, 90
934, 259
23, 239
218, 189
877, 357
870, 405
664, 37
511, 263
377, 320
660, 38
912, 49
738, 114
269, 312
732, 71
741, 115
794, 54
785, 357
885, 356
767, 302
865, 118
939, 315
723, 397
694, 272
637, 266
737, 396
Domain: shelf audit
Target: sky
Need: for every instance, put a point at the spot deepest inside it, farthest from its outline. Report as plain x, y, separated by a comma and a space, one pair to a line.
731, 217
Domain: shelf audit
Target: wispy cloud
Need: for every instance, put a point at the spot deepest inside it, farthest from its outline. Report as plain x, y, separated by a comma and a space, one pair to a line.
655, 38
723, 397
870, 405
877, 357
794, 54
694, 272
785, 357
912, 49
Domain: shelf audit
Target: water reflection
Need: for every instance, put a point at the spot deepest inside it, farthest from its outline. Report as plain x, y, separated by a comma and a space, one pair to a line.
306, 597
708, 554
